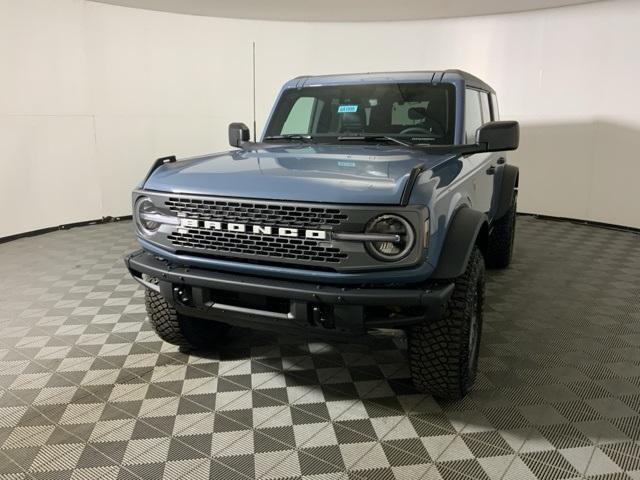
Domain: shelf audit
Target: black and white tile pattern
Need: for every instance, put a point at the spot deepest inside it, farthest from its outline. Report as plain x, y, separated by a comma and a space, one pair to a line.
88, 391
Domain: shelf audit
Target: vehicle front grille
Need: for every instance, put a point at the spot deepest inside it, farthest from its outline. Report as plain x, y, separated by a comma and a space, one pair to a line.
252, 245
310, 217
247, 245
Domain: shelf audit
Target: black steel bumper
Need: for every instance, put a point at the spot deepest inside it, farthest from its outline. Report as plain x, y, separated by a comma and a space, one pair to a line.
283, 305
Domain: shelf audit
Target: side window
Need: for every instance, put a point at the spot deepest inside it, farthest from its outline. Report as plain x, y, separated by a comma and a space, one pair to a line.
400, 114
494, 107
472, 115
299, 119
484, 102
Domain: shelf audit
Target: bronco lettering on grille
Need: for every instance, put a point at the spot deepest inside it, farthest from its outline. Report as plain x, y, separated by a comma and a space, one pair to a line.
186, 223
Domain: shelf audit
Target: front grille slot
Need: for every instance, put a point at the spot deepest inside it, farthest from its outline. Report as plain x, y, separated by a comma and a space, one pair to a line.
255, 246
259, 213
261, 246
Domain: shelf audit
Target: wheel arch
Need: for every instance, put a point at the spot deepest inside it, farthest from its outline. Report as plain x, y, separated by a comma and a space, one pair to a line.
468, 228
482, 239
510, 179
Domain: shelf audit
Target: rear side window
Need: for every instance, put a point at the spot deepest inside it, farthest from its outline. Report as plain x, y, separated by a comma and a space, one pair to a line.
494, 107
472, 114
484, 103
400, 114
299, 119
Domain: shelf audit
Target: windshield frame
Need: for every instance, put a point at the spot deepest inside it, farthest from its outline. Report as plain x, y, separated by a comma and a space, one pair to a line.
279, 114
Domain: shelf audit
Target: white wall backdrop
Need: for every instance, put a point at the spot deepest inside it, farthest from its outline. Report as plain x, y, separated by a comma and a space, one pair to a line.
90, 94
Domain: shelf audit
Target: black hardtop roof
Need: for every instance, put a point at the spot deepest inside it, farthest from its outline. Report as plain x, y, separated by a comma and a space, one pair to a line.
434, 76
471, 80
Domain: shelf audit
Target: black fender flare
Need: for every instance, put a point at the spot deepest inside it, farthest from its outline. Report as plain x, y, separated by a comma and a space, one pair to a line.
467, 228
508, 187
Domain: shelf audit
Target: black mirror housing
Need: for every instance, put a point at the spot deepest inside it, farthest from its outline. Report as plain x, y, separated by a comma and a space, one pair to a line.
239, 133
498, 136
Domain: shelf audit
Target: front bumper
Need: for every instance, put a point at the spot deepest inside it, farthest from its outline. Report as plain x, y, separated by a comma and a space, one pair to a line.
282, 305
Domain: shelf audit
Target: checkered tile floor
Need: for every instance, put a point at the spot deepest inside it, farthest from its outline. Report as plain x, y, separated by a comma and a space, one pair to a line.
87, 391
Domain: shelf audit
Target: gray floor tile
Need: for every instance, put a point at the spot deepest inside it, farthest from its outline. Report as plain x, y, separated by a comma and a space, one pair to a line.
87, 390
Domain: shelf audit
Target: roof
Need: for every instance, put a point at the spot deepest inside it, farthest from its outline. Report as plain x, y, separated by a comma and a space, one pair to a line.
430, 76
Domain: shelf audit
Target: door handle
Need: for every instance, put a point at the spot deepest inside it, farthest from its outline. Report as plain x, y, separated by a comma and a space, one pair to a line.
491, 170
501, 161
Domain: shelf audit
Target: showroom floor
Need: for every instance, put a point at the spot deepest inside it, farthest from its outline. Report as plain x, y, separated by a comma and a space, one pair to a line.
88, 391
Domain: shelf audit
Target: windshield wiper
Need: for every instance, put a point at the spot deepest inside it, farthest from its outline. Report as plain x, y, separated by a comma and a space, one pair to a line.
375, 138
290, 136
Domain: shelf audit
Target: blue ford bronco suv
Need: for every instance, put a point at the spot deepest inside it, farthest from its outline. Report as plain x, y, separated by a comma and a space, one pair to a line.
371, 201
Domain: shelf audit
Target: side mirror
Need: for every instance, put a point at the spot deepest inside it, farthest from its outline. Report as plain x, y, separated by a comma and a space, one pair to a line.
498, 136
238, 134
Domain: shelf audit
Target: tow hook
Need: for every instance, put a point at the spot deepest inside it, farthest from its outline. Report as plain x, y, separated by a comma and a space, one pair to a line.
182, 294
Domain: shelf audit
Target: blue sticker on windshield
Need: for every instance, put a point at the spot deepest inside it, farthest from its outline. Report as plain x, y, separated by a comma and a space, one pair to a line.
347, 108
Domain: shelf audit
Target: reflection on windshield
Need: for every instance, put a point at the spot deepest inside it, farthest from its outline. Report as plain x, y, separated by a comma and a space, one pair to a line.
407, 112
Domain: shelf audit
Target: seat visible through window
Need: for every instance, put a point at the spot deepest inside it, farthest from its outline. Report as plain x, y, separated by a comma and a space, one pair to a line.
352, 122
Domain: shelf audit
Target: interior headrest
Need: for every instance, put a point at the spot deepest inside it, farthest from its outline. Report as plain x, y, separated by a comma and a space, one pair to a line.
351, 117
417, 113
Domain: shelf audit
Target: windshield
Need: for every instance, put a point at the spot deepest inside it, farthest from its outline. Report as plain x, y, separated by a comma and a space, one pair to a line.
412, 112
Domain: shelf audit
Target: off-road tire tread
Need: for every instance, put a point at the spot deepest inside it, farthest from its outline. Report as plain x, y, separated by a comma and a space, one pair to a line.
500, 248
438, 350
185, 332
164, 319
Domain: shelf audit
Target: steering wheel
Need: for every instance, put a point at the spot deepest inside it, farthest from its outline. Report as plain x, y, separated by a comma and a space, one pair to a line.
416, 130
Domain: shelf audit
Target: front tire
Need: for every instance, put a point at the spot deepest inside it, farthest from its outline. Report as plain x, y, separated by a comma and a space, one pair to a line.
187, 332
443, 353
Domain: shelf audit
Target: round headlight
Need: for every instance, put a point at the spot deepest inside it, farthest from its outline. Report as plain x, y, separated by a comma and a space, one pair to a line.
391, 225
145, 211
